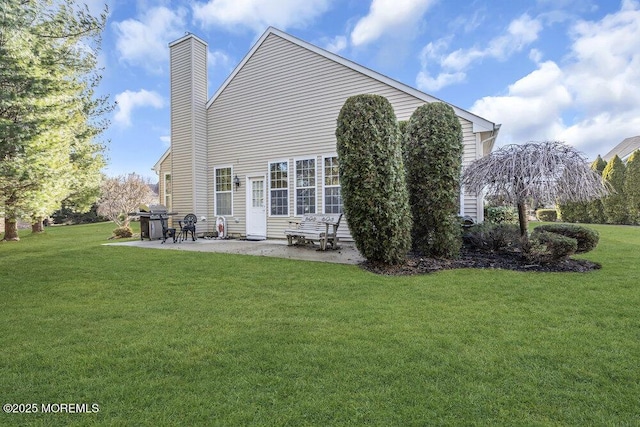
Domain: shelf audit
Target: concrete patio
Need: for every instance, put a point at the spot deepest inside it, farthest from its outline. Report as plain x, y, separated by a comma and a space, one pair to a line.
346, 254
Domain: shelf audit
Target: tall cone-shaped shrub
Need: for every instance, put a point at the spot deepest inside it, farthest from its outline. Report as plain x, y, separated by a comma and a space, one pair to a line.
632, 186
372, 179
615, 204
595, 208
433, 144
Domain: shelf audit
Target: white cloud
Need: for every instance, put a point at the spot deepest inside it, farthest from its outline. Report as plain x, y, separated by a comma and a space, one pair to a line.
127, 101
597, 90
388, 15
606, 67
257, 15
431, 84
535, 55
520, 33
143, 42
336, 44
218, 59
166, 140
532, 106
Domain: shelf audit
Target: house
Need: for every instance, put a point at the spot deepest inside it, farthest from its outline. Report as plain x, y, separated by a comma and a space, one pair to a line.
624, 149
262, 150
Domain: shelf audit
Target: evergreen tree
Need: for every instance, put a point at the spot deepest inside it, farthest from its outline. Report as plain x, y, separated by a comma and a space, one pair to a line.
598, 165
49, 115
632, 186
372, 178
595, 208
574, 212
433, 152
615, 204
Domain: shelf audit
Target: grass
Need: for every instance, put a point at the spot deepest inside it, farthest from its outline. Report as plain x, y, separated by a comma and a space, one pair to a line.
183, 338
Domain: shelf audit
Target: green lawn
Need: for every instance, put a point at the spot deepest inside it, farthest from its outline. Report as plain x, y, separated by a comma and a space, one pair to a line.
165, 338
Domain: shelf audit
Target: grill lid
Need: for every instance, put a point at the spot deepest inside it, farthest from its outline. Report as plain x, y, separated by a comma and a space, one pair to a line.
158, 209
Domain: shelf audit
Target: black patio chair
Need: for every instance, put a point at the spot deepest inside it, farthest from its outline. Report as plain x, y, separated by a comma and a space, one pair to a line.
188, 225
166, 230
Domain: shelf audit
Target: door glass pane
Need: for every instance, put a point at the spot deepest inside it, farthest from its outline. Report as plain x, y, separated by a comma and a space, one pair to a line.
257, 194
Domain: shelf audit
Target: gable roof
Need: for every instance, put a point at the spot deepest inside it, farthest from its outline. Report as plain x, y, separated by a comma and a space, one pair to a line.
479, 124
156, 167
624, 149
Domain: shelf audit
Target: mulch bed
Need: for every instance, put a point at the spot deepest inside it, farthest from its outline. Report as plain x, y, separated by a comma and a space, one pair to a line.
477, 259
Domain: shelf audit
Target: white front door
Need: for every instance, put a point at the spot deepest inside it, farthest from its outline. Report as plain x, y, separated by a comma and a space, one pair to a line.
256, 208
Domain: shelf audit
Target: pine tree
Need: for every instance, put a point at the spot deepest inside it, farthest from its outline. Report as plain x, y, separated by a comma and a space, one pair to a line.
615, 204
49, 116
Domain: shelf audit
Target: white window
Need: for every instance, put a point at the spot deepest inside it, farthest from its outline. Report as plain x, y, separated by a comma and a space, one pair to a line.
331, 178
305, 186
168, 189
223, 191
279, 188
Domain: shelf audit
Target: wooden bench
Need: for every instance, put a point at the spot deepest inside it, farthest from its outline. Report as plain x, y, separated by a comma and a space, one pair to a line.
321, 228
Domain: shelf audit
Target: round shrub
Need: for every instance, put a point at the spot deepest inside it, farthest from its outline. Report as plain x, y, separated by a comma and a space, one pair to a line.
545, 246
492, 237
372, 178
501, 214
586, 238
433, 155
547, 215
123, 232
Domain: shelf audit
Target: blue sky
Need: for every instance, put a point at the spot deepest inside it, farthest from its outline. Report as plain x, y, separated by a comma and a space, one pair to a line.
564, 70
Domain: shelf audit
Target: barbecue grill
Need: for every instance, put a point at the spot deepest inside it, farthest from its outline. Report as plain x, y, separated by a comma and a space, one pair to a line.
150, 221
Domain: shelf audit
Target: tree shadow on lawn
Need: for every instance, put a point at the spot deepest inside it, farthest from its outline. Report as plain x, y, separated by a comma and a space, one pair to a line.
415, 264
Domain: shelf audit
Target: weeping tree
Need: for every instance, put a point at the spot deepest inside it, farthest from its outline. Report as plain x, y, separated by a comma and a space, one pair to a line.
535, 173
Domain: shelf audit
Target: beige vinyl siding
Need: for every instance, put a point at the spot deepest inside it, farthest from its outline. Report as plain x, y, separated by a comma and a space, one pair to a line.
200, 132
165, 168
181, 147
283, 104
469, 140
188, 126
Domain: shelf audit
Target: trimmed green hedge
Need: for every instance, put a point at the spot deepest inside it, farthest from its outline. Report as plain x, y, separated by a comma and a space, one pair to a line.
586, 238
501, 214
548, 215
545, 246
433, 153
489, 237
372, 179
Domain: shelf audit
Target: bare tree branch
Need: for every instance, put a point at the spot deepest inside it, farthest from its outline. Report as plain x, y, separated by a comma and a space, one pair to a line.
122, 195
